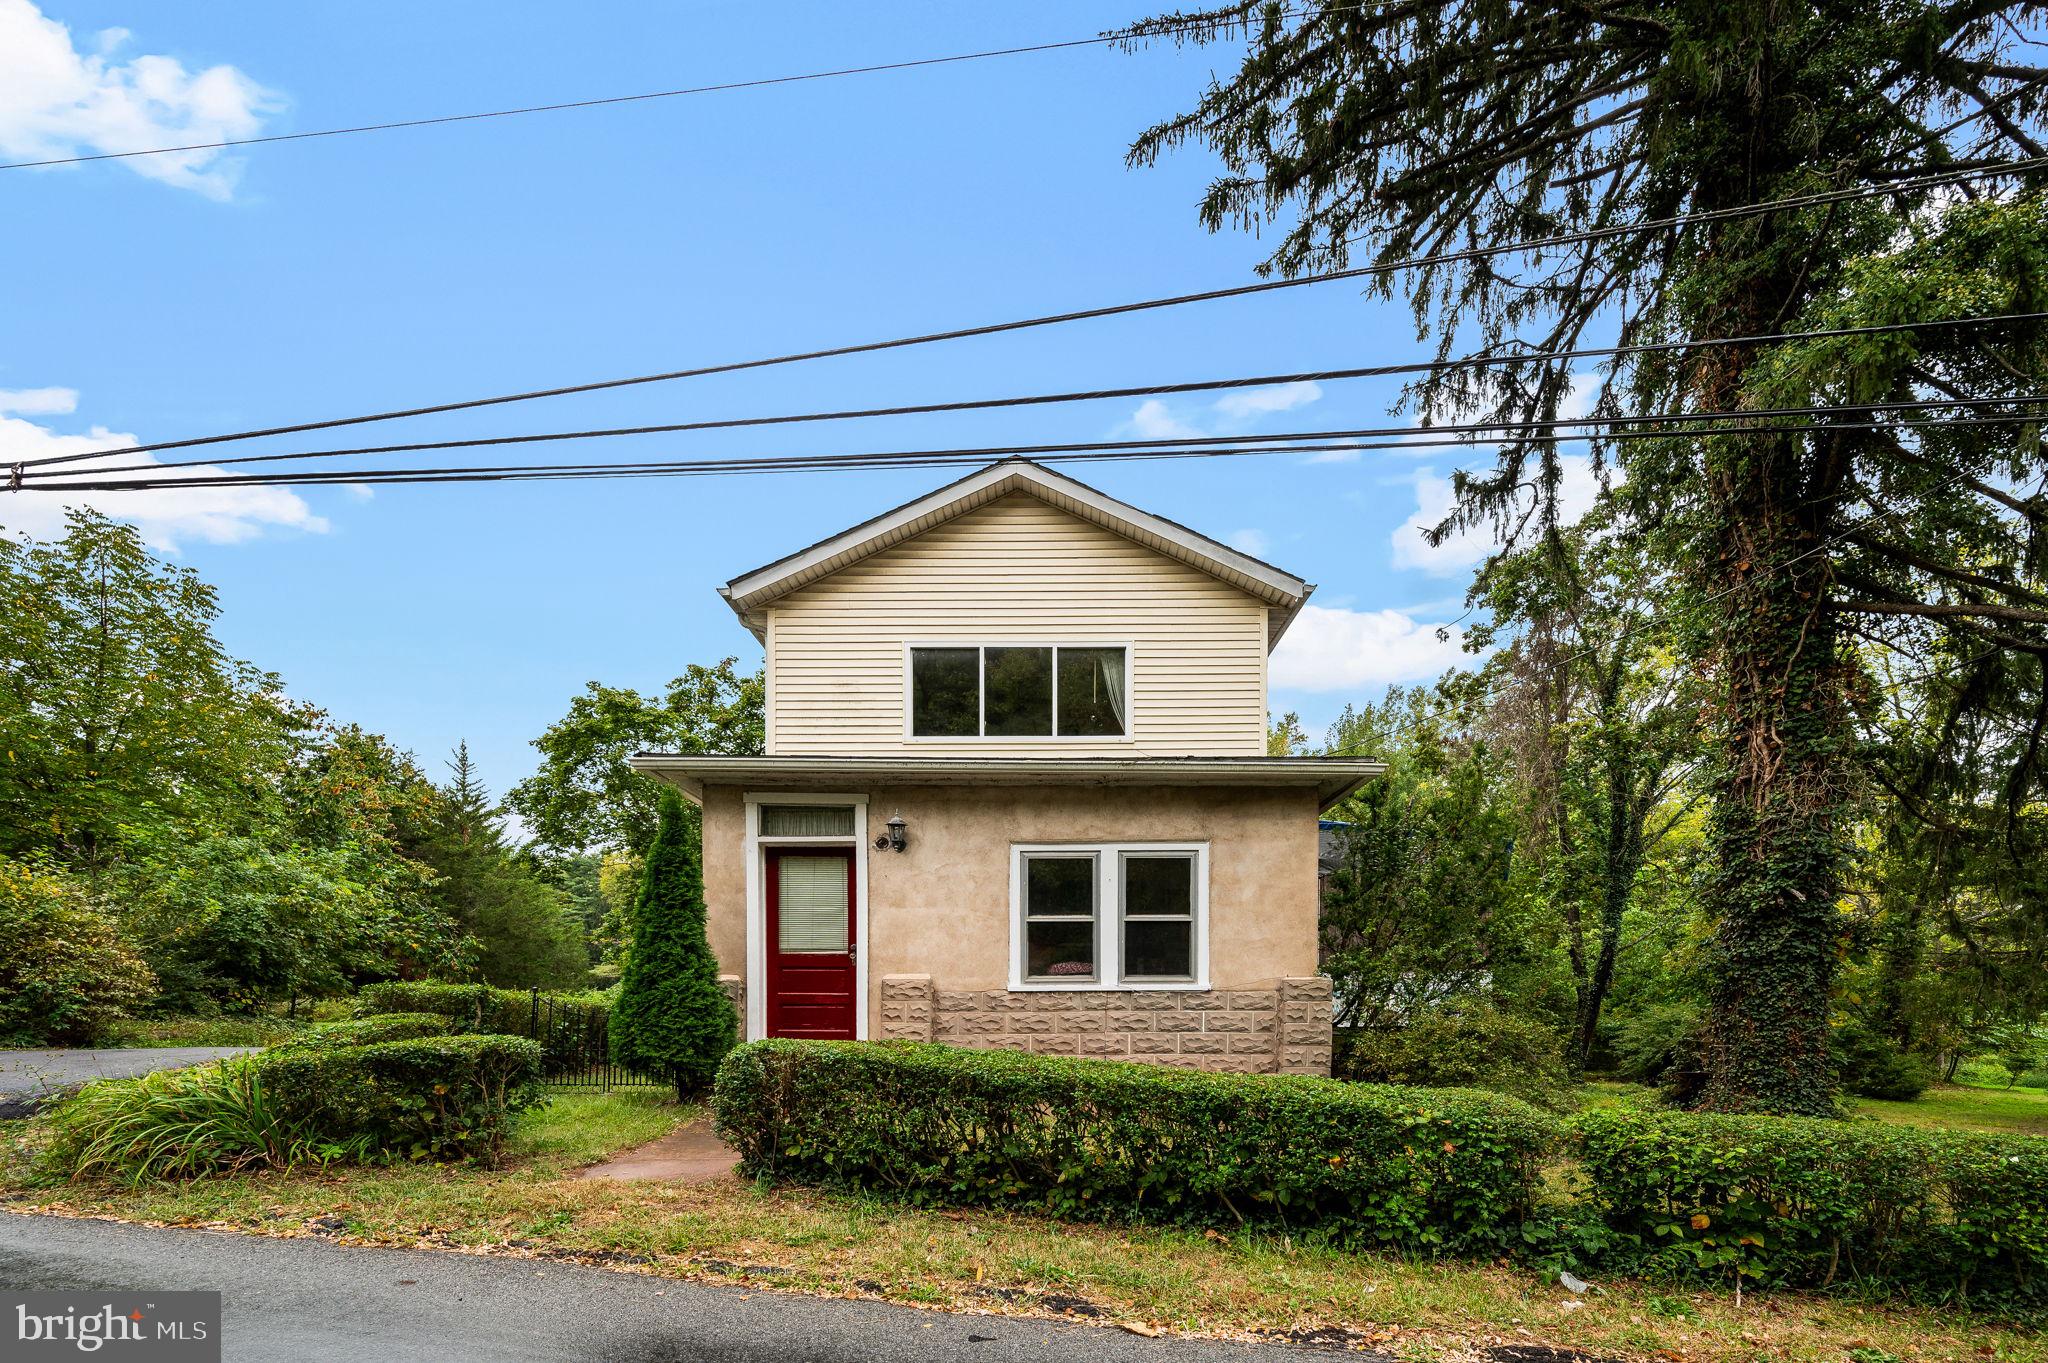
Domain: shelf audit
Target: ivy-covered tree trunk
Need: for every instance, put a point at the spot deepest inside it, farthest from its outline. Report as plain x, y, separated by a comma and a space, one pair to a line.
1459, 140
1776, 830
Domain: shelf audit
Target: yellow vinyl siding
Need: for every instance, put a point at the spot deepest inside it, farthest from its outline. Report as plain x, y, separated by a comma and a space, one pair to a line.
1018, 571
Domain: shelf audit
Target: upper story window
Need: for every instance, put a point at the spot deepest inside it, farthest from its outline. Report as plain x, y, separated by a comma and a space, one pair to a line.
1020, 691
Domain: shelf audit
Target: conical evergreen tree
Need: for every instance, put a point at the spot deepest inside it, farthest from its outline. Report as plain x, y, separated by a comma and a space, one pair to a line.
522, 929
671, 1018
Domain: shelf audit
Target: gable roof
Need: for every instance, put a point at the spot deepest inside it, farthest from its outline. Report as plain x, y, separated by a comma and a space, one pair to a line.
1282, 592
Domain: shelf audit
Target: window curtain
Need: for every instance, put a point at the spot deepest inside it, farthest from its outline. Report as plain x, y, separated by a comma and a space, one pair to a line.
1110, 667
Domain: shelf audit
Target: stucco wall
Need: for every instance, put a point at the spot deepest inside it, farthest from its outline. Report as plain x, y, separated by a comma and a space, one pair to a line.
942, 908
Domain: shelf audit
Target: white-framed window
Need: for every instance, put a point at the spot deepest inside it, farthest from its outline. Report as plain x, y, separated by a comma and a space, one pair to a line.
1128, 915
1024, 690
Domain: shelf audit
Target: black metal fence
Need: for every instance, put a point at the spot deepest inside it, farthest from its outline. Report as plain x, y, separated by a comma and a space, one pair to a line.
576, 1051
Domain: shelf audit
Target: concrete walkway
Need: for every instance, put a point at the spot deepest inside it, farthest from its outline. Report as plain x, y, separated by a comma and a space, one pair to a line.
689, 1154
29, 1078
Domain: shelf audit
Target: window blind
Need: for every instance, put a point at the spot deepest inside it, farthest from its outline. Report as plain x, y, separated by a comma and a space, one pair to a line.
810, 903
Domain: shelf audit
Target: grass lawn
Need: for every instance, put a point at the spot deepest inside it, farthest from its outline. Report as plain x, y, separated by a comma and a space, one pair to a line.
2006, 1111
809, 1241
1957, 1107
257, 1029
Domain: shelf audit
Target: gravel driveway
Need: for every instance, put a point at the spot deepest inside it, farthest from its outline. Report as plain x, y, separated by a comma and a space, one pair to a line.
28, 1078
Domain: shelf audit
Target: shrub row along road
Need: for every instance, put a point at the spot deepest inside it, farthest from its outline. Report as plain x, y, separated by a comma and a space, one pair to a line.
311, 1301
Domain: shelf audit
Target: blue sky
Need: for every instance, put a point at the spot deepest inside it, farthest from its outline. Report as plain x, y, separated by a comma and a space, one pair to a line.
158, 300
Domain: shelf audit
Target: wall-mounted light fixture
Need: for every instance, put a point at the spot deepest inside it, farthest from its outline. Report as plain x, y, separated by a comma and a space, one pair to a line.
895, 840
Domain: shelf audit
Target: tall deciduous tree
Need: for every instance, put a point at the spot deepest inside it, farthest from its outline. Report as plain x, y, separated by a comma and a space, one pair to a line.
585, 797
1594, 715
671, 1018
1423, 127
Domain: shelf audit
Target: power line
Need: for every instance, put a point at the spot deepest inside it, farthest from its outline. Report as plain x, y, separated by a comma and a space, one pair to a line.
876, 68
1838, 538
1105, 451
1088, 395
1118, 309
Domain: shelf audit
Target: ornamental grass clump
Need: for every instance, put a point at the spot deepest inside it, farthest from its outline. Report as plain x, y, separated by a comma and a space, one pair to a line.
1349, 1164
181, 1123
317, 1100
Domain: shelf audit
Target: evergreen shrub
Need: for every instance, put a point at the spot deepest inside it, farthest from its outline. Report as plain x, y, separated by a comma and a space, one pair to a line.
437, 1098
1470, 1046
1351, 1164
370, 1030
671, 1018
503, 1012
1798, 1202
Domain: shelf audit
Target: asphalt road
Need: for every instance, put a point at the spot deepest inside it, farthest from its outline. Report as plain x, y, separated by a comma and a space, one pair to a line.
310, 1301
26, 1077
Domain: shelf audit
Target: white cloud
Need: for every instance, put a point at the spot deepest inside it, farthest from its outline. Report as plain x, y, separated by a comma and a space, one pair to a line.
215, 515
1463, 550
1335, 457
39, 401
1154, 421
1254, 402
1248, 541
58, 101
1331, 649
1227, 415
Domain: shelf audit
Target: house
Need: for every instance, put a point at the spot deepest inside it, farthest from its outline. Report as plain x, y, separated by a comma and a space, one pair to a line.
1016, 791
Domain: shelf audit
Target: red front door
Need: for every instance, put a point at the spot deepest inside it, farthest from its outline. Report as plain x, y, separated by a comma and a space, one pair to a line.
810, 942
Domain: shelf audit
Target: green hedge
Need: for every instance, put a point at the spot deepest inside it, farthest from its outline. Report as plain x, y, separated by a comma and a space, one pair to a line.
476, 1007
578, 1020
1350, 1163
368, 1031
446, 1097
1470, 1046
1794, 1201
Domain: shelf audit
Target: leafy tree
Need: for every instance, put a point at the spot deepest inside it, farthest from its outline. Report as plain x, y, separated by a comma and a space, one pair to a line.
671, 1017
118, 707
1423, 127
65, 972
585, 797
1423, 909
1590, 708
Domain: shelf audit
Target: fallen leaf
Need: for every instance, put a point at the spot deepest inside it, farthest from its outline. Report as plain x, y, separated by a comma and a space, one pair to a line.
1139, 1328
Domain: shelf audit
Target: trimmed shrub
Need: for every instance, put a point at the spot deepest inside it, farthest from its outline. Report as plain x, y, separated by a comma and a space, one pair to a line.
574, 1018
369, 1031
1798, 1202
440, 1098
1471, 1046
671, 1018
1099, 1140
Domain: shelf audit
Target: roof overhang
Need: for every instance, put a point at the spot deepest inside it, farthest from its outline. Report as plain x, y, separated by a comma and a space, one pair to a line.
1282, 592
1331, 778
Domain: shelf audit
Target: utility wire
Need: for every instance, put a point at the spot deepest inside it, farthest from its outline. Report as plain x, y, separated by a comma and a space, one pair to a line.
1118, 309
1099, 40
1093, 452
1509, 683
1089, 395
